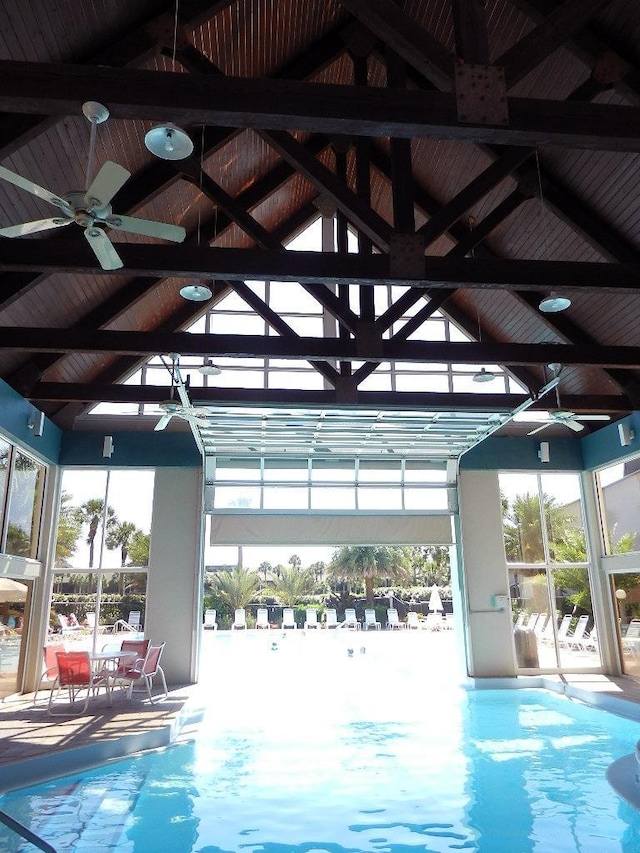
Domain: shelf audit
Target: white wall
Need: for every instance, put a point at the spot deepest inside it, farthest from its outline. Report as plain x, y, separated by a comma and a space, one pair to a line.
490, 636
175, 570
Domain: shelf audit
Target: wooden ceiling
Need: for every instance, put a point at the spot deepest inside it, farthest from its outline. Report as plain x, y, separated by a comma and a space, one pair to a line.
485, 153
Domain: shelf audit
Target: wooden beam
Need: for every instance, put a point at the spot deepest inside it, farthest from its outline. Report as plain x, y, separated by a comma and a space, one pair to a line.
284, 105
291, 346
420, 401
74, 257
552, 33
470, 29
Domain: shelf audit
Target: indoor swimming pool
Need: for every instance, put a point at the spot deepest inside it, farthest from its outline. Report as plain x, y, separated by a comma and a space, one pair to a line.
349, 743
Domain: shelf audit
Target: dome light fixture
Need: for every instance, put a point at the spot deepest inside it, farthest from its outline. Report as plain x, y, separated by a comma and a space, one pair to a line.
208, 368
196, 292
168, 142
484, 376
553, 304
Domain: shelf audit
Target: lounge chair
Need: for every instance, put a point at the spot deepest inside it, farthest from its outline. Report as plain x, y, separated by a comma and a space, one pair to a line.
412, 620
565, 622
572, 641
312, 618
262, 618
393, 622
143, 671
65, 626
331, 618
239, 619
288, 618
434, 622
50, 671
75, 674
370, 620
350, 620
134, 620
210, 620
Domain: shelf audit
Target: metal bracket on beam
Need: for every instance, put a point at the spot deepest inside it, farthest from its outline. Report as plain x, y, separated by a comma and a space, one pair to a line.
481, 94
406, 255
609, 68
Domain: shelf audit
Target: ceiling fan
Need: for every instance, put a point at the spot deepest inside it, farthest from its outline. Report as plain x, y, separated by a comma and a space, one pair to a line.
91, 208
178, 404
564, 417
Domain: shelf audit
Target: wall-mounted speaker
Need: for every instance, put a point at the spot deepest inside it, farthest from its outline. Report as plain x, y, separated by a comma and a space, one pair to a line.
626, 434
543, 453
107, 446
36, 423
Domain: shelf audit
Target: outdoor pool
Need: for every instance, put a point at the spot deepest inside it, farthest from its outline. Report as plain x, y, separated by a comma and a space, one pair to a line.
345, 743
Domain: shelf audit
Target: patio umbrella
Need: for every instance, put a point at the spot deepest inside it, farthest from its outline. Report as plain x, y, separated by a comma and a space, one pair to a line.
435, 602
11, 590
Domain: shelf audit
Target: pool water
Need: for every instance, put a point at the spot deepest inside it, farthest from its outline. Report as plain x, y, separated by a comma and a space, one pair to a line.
349, 743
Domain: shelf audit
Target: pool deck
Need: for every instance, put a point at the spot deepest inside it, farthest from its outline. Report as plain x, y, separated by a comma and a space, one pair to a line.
37, 746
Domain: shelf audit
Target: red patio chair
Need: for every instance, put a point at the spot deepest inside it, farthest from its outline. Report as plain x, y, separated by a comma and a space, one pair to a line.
143, 671
75, 673
50, 671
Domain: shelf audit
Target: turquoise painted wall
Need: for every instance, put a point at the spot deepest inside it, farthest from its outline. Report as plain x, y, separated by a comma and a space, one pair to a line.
15, 413
565, 454
603, 447
131, 449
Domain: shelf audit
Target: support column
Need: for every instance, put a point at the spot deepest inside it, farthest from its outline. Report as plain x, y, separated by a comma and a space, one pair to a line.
490, 633
174, 588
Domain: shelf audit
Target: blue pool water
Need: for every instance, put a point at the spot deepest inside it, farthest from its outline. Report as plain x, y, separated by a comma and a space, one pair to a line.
346, 744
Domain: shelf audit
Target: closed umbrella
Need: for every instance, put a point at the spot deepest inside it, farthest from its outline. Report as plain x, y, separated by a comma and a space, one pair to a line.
435, 602
11, 590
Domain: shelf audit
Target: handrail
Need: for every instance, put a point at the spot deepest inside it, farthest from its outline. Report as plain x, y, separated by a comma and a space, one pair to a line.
22, 830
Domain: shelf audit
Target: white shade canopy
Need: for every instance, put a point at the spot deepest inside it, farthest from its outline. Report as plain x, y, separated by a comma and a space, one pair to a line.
11, 590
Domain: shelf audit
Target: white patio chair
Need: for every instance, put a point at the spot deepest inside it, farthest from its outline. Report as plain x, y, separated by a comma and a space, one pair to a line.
143, 671
239, 620
288, 618
413, 622
573, 640
262, 618
331, 617
393, 621
350, 620
312, 618
370, 620
210, 620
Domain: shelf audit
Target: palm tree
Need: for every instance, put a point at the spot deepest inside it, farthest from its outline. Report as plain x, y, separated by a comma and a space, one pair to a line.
92, 513
265, 568
237, 588
293, 584
369, 563
120, 535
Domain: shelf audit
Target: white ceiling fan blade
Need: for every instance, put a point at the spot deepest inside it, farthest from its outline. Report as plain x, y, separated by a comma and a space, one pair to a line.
30, 187
147, 227
33, 227
574, 425
103, 249
164, 420
540, 428
594, 417
106, 184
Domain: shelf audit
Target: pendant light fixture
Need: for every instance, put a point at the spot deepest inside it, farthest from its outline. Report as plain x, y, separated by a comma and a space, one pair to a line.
208, 368
196, 292
554, 302
482, 375
167, 141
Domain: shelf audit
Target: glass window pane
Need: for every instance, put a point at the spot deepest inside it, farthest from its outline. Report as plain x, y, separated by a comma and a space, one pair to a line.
521, 520
620, 499
425, 499
4, 467
25, 504
563, 516
285, 497
383, 499
625, 589
333, 498
240, 497
533, 619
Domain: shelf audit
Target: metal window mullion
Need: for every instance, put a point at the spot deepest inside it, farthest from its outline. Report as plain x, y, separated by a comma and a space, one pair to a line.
7, 497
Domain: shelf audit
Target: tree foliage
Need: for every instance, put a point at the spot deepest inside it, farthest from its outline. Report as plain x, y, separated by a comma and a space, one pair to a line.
293, 584
368, 564
236, 588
